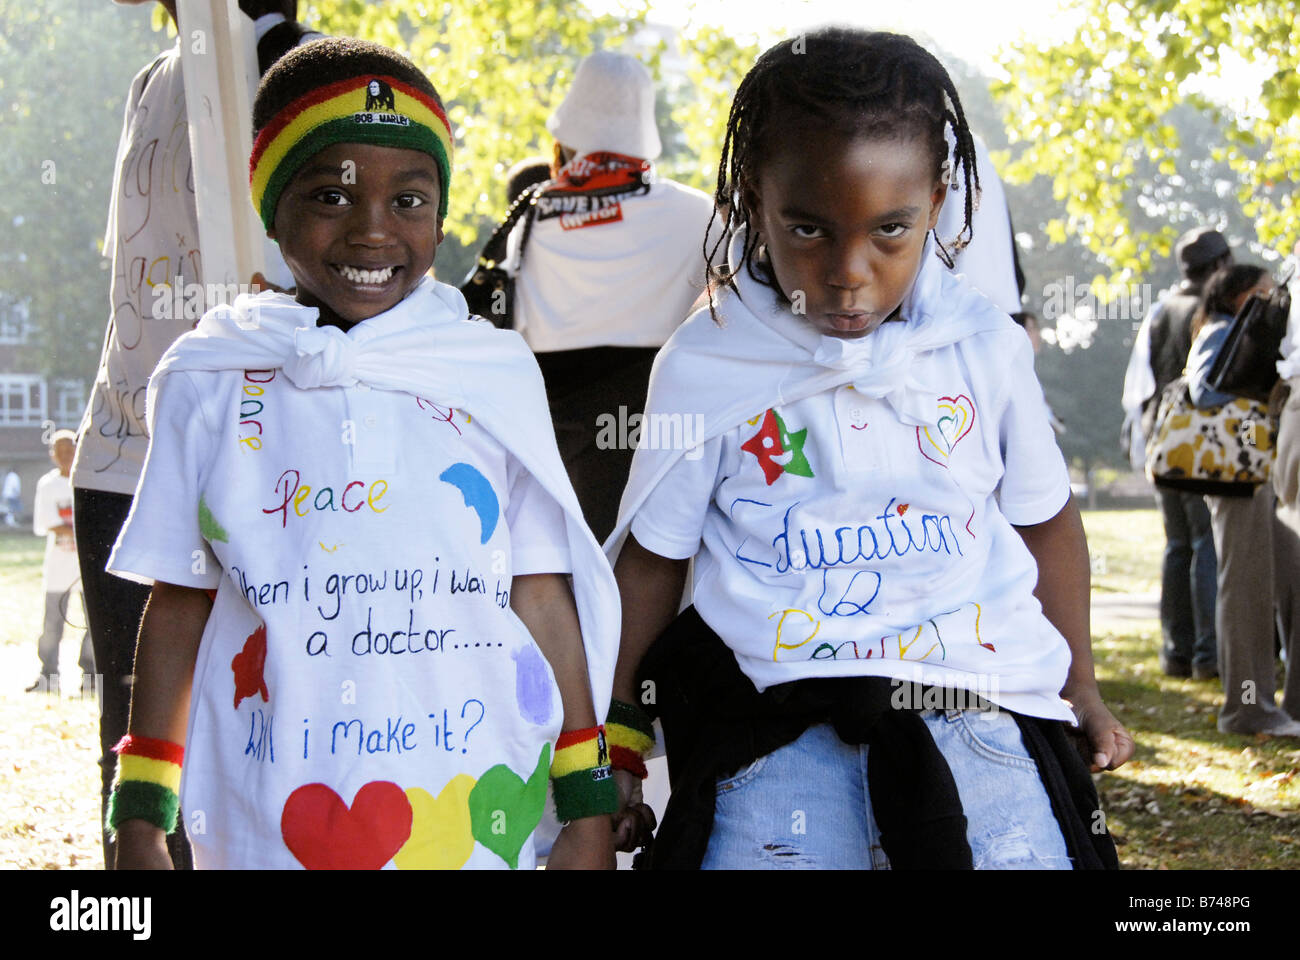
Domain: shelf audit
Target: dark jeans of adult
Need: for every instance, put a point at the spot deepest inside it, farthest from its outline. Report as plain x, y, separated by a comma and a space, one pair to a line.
1188, 583
113, 607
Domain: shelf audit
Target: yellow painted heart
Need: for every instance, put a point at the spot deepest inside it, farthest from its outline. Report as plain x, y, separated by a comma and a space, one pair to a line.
440, 828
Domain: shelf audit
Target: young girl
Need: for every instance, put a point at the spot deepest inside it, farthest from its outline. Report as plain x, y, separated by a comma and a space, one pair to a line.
880, 519
368, 479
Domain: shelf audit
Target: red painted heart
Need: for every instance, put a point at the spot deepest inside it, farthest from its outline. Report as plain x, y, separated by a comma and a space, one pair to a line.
324, 834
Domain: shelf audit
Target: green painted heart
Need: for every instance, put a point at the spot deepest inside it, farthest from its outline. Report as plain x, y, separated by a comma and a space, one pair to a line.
504, 810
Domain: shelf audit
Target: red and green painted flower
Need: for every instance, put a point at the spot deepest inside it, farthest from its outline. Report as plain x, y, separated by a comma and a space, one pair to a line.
774, 443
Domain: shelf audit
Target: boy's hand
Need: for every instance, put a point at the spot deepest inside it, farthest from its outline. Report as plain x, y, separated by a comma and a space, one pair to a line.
1110, 745
634, 823
142, 846
586, 844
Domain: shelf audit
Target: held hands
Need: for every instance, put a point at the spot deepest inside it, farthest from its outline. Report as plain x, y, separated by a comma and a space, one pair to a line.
1109, 744
142, 846
634, 823
586, 844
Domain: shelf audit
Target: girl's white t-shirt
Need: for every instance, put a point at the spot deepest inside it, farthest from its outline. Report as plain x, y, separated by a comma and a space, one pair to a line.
832, 539
364, 695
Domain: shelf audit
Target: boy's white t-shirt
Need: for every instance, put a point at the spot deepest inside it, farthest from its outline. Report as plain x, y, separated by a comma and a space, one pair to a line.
53, 507
374, 536
832, 539
612, 282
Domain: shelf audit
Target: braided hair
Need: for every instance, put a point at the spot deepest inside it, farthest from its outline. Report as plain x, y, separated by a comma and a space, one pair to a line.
874, 85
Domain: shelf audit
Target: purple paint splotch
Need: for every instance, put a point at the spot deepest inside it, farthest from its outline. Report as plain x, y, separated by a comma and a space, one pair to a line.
533, 686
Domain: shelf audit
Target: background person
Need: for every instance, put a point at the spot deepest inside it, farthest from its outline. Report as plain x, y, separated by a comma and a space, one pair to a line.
1258, 555
1286, 467
611, 267
1188, 576
60, 574
12, 495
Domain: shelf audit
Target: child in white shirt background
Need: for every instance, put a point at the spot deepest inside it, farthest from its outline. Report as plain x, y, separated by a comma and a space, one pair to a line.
60, 576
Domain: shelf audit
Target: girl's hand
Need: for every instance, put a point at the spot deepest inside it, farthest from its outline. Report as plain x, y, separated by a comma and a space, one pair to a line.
586, 844
634, 823
142, 846
1110, 745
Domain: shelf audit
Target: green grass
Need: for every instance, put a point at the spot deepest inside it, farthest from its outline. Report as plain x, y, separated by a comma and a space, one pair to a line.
1126, 547
1191, 798
49, 745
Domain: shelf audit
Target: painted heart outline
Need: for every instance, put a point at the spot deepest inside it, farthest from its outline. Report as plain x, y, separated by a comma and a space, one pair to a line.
956, 418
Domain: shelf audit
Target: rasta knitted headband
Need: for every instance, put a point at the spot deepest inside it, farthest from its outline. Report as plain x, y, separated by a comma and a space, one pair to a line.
341, 90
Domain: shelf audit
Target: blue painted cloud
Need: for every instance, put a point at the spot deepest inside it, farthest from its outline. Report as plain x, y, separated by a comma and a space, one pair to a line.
478, 494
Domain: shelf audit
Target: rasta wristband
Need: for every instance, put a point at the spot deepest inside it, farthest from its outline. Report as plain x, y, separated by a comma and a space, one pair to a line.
148, 781
580, 776
631, 737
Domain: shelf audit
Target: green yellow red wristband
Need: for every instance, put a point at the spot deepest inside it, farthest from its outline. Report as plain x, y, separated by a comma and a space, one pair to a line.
580, 776
631, 737
147, 784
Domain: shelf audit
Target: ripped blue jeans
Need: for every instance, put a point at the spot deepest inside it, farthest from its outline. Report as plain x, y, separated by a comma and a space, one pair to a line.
806, 805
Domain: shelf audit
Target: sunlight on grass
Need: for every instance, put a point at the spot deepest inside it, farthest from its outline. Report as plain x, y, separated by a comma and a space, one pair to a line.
1126, 547
1191, 798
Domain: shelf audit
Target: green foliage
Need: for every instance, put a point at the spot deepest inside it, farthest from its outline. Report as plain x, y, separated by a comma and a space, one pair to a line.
718, 63
64, 73
1094, 111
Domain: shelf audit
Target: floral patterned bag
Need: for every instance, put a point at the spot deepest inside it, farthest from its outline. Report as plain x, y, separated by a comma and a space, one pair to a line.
1223, 451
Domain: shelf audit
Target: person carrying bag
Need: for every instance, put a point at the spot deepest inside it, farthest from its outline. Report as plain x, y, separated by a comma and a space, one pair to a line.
1257, 553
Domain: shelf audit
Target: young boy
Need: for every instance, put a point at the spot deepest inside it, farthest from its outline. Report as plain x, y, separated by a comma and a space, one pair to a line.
369, 481
52, 519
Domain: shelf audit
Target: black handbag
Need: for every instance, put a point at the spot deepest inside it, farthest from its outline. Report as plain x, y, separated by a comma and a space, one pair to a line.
1246, 366
489, 290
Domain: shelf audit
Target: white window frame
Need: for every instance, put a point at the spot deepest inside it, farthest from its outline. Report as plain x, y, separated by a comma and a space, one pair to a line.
69, 403
29, 414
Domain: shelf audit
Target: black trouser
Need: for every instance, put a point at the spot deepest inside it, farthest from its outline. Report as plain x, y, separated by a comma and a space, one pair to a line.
593, 392
113, 607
